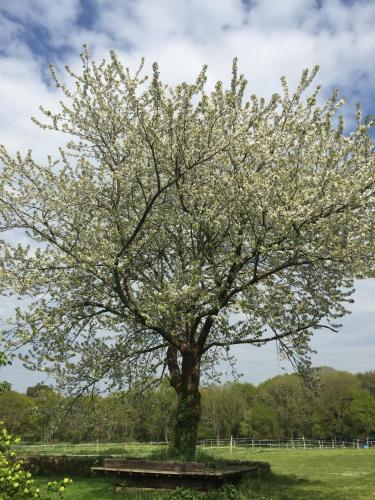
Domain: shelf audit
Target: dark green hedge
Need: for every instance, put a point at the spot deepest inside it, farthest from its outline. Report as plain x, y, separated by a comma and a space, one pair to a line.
44, 465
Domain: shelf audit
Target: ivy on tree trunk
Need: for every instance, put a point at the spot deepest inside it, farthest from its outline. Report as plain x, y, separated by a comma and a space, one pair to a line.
185, 381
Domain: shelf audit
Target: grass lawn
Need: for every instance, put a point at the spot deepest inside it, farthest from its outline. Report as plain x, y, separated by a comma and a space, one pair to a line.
296, 474
315, 474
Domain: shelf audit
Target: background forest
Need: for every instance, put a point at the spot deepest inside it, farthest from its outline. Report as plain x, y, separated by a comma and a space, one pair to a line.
341, 405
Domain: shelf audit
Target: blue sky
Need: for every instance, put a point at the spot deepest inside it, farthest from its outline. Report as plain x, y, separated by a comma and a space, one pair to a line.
270, 37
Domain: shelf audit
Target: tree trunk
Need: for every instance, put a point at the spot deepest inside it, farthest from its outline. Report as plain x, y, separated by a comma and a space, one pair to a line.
185, 381
187, 418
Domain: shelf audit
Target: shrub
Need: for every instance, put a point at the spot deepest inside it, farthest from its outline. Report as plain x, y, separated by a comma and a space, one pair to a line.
16, 482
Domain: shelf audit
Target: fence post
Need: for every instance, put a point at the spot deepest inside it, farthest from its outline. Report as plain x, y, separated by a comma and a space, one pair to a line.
253, 442
97, 446
231, 444
304, 442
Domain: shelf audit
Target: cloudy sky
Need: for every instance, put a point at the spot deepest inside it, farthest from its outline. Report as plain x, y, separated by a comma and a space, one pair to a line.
270, 37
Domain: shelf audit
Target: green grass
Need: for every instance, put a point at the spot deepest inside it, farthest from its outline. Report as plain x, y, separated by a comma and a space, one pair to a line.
296, 475
315, 474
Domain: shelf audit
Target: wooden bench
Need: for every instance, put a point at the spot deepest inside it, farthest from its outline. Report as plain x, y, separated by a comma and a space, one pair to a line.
152, 474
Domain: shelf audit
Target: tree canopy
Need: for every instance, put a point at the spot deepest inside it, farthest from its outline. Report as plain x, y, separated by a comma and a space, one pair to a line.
180, 221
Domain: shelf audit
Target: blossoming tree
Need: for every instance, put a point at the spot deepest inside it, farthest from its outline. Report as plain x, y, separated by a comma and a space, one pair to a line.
179, 222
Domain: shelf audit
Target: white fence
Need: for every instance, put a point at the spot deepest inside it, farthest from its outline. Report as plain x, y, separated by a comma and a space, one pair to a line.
292, 443
216, 445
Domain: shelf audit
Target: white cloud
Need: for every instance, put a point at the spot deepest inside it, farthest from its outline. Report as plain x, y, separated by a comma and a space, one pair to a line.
146, 20
22, 91
57, 16
268, 15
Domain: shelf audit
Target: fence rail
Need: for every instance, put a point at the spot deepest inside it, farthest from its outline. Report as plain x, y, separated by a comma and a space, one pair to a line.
216, 445
293, 443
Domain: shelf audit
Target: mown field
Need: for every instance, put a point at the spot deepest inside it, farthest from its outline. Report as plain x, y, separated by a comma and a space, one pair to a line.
296, 474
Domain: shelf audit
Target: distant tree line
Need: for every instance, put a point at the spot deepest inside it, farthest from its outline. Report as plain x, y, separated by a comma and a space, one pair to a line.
341, 405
